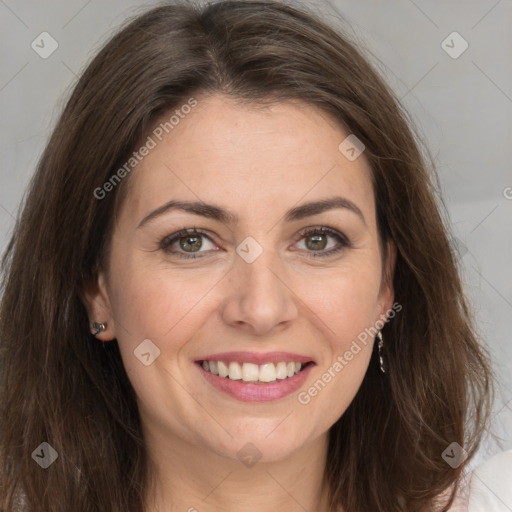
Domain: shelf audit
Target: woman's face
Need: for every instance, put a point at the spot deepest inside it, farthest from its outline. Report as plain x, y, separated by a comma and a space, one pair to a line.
256, 290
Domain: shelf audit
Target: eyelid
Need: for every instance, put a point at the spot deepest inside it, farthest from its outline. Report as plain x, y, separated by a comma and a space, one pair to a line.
324, 230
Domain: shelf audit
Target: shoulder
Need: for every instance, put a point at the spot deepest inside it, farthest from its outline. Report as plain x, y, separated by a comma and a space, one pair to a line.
487, 488
491, 485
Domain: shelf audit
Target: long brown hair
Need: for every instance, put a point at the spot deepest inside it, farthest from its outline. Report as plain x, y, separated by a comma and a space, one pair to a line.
60, 385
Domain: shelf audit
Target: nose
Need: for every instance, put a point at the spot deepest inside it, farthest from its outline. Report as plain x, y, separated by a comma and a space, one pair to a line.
258, 299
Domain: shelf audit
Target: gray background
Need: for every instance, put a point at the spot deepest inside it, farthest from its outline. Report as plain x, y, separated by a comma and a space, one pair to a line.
461, 106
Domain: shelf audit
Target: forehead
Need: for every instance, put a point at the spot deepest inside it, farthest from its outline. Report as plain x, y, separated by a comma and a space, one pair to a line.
249, 158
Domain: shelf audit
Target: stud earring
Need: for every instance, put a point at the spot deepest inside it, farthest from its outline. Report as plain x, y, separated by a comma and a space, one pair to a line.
380, 347
98, 327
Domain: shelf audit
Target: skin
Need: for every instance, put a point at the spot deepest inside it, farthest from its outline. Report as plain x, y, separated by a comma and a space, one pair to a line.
257, 163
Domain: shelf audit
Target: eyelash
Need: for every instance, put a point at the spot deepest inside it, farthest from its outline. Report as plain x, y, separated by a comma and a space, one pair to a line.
342, 240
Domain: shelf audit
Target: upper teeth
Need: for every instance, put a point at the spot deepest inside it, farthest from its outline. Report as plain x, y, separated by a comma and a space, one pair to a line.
250, 372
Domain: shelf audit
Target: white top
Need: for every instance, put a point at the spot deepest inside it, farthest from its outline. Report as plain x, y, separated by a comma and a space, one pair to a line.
488, 488
491, 485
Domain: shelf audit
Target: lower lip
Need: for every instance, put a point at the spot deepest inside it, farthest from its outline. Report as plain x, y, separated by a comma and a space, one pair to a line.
247, 392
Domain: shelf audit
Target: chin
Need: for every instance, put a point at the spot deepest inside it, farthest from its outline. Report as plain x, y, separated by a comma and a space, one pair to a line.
258, 441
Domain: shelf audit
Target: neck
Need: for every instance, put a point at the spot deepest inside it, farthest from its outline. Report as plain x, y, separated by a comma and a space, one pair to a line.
187, 478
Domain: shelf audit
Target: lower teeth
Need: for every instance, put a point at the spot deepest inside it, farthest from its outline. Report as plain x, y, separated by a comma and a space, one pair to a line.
259, 382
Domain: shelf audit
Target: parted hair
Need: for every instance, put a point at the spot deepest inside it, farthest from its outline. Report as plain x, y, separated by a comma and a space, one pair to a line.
59, 384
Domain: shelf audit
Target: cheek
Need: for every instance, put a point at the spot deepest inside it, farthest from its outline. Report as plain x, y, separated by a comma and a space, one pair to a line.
155, 302
163, 307
346, 301
346, 306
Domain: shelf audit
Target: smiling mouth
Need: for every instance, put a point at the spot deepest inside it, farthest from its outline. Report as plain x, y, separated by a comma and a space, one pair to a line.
251, 373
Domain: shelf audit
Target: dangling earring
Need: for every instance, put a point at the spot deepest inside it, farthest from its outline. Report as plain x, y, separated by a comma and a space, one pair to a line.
98, 327
380, 346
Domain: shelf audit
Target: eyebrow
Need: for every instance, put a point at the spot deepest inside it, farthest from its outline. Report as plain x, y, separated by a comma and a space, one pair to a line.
220, 214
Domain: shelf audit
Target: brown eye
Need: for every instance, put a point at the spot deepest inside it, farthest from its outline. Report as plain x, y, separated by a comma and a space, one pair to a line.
188, 242
316, 241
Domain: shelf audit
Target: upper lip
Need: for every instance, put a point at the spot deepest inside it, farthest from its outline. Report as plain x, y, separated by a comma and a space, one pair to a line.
256, 357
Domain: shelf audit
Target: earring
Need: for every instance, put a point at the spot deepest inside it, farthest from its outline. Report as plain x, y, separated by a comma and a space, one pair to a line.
98, 327
380, 346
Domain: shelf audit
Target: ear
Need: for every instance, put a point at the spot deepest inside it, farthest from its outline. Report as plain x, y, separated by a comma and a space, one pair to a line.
387, 292
97, 303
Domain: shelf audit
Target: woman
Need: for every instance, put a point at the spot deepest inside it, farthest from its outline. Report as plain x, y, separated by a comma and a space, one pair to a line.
231, 286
